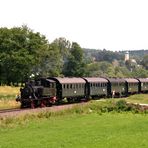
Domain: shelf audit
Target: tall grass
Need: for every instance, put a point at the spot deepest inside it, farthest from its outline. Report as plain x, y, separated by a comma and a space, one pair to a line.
139, 98
8, 92
7, 97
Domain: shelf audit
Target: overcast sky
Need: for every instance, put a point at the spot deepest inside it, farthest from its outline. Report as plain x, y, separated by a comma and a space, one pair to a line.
110, 24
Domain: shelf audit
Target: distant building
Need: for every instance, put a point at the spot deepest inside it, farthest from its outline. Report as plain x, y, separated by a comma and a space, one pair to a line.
133, 61
126, 56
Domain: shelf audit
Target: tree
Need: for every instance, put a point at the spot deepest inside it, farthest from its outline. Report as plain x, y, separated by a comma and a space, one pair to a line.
63, 45
139, 72
75, 65
20, 50
145, 62
50, 62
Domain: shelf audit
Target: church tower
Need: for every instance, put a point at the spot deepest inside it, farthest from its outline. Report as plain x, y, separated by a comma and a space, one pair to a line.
126, 56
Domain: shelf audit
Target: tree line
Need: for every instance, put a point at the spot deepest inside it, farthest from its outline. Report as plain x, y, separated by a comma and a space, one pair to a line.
25, 54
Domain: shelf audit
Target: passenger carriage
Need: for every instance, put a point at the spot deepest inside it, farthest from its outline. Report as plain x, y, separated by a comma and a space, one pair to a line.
96, 87
117, 87
132, 85
143, 85
73, 89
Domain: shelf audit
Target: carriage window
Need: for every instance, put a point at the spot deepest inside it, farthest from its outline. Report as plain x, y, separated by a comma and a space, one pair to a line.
82, 85
76, 86
79, 85
67, 86
70, 86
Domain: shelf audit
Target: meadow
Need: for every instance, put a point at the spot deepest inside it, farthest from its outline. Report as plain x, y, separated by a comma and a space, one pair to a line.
8, 96
140, 98
105, 124
93, 130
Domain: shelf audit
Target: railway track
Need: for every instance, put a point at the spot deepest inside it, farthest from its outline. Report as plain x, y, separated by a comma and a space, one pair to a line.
9, 110
18, 111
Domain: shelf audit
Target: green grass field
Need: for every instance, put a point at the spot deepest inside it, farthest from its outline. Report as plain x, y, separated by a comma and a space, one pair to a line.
109, 130
140, 98
81, 127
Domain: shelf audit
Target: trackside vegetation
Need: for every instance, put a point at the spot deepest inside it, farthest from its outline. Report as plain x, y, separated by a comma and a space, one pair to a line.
95, 124
8, 92
8, 96
140, 98
80, 109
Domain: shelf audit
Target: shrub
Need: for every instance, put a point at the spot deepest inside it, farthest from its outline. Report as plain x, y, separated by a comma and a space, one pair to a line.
121, 105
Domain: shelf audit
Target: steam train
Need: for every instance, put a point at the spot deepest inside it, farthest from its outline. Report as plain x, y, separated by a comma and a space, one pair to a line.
53, 90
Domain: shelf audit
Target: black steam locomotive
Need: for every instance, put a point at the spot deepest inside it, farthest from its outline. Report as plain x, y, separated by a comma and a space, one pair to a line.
53, 90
